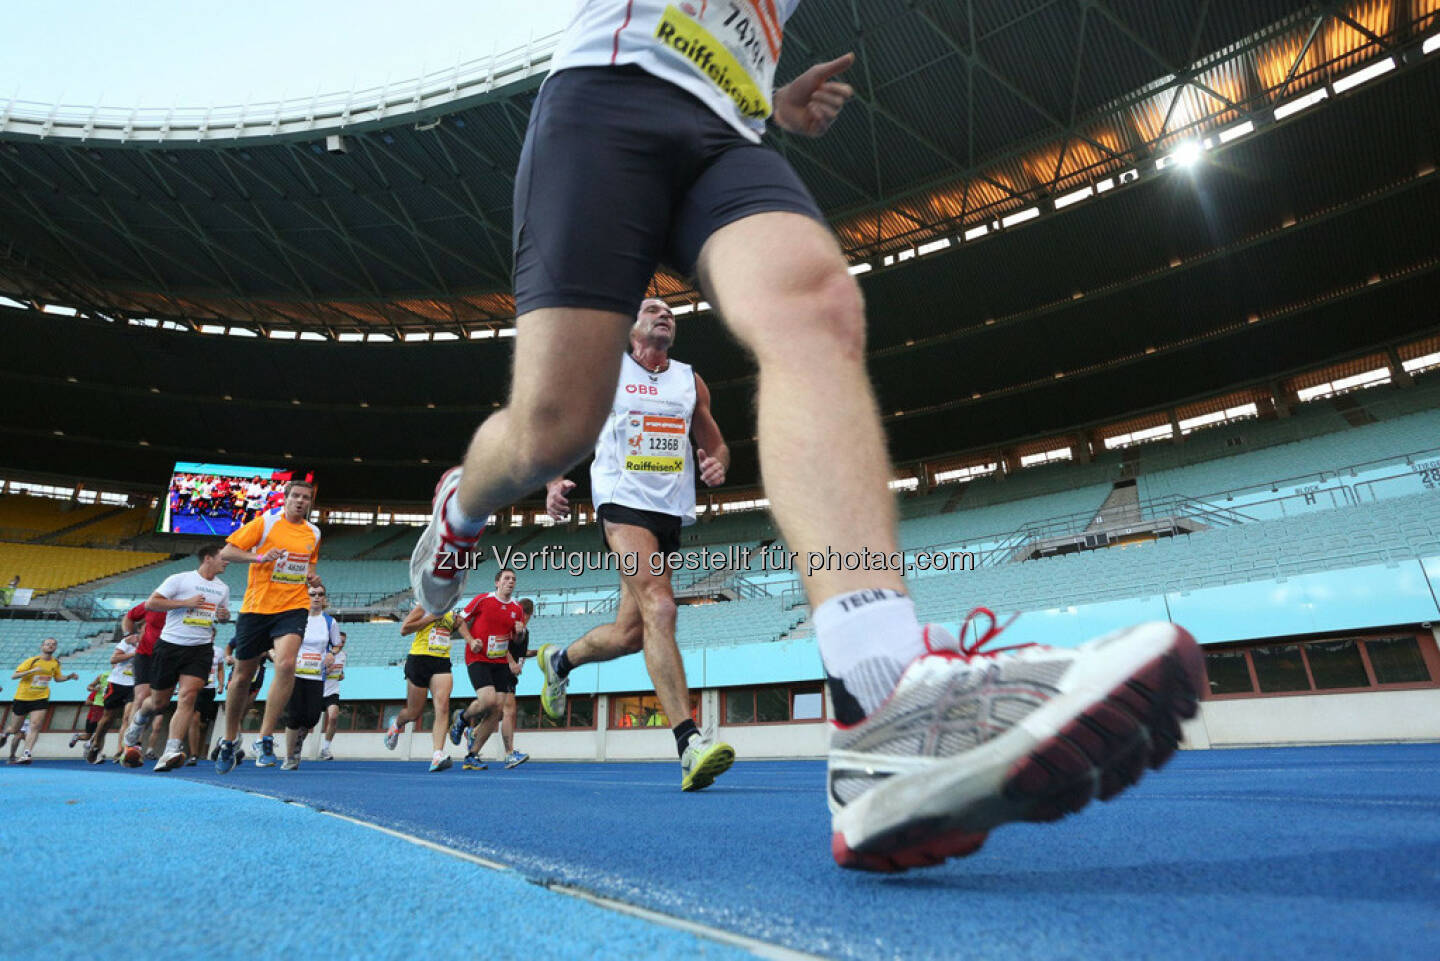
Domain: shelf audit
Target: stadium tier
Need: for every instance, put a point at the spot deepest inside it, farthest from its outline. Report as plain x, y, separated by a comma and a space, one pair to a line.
45, 568
24, 517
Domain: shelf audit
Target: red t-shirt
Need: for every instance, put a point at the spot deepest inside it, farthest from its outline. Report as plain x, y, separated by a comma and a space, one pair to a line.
154, 624
492, 622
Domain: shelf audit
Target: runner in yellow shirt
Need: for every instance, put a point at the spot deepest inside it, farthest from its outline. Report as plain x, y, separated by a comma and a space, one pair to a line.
33, 694
282, 548
427, 668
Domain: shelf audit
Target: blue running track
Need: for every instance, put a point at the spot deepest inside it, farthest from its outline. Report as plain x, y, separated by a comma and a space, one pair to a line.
1309, 853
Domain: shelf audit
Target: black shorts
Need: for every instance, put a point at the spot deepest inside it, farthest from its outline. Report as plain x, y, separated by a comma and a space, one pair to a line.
173, 661
255, 633
490, 674
142, 666
118, 695
306, 704
419, 668
622, 171
29, 707
206, 705
665, 527
331, 700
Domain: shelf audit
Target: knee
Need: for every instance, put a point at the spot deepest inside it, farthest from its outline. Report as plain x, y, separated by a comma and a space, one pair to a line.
822, 313
658, 604
549, 435
285, 662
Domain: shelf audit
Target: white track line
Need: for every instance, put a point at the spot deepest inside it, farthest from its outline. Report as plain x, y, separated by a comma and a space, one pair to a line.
762, 949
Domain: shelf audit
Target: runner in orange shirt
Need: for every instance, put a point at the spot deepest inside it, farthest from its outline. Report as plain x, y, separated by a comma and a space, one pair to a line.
282, 548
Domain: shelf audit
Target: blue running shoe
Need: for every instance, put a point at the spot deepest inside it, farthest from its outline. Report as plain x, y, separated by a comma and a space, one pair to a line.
470, 740
457, 725
225, 757
392, 734
515, 759
266, 756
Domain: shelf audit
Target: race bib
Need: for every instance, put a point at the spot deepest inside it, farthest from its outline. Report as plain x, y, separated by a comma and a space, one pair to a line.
128, 672
655, 444
202, 616
496, 645
308, 663
438, 643
40, 680
291, 569
734, 45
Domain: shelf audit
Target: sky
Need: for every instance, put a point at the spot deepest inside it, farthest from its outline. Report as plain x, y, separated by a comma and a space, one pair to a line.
167, 53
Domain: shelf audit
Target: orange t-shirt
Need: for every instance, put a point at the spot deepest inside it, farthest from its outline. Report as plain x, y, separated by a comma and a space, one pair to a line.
280, 585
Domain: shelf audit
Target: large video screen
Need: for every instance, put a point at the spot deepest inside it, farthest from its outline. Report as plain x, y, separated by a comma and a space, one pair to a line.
215, 499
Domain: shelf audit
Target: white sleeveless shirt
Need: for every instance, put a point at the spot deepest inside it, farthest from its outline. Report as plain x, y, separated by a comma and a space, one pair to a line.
643, 458
722, 51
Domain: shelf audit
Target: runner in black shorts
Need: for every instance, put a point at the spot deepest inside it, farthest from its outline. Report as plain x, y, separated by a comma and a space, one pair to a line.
334, 673
427, 669
490, 621
206, 707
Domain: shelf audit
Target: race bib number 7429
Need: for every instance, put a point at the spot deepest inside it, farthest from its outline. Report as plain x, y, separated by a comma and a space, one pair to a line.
734, 44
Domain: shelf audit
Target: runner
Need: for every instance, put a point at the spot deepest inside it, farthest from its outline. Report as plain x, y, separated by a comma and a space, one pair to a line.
644, 146
119, 695
193, 602
255, 494
490, 623
519, 648
427, 668
32, 696
94, 708
206, 707
147, 624
256, 683
643, 483
334, 674
282, 548
307, 699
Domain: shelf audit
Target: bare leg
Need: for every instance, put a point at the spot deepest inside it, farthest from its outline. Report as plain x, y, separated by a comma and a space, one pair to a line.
414, 708
185, 706
781, 284
237, 696
282, 684
30, 738
440, 687
625, 635
507, 724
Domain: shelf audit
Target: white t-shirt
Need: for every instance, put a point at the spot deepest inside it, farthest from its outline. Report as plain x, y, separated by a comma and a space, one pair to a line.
187, 627
332, 676
722, 51
320, 632
123, 672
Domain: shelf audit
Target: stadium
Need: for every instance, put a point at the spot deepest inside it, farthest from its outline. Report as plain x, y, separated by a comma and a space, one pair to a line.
1153, 331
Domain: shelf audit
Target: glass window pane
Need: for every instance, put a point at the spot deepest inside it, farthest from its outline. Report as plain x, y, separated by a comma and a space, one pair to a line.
527, 713
252, 718
367, 716
740, 706
582, 711
1227, 672
1280, 668
1336, 664
63, 718
427, 720
345, 720
1397, 660
808, 706
772, 704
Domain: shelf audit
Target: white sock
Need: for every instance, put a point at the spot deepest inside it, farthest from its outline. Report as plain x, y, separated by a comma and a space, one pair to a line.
326, 745
867, 639
172, 746
461, 522
438, 756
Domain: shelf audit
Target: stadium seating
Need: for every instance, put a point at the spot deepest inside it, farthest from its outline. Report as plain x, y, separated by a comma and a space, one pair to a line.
110, 528
24, 517
46, 568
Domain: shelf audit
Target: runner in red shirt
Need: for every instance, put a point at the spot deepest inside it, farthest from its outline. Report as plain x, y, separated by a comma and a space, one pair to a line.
491, 620
148, 625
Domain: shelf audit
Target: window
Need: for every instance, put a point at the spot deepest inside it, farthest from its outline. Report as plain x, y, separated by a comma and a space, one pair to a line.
579, 714
643, 710
67, 717
1324, 665
773, 704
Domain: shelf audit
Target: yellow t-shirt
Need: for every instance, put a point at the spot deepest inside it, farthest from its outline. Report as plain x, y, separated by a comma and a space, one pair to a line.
280, 585
36, 687
434, 639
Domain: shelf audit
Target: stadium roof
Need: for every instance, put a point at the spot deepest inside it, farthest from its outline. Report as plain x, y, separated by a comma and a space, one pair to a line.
1300, 239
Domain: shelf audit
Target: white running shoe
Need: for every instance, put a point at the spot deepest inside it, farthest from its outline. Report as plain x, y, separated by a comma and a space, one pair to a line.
325, 754
392, 734
972, 739
170, 761
441, 557
552, 693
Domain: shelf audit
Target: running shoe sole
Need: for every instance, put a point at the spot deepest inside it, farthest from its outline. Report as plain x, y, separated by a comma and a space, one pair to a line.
442, 765
457, 726
710, 765
556, 709
133, 757
422, 557
170, 762
517, 762
1077, 747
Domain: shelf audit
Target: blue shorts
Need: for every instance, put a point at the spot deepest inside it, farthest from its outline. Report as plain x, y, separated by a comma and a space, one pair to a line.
622, 171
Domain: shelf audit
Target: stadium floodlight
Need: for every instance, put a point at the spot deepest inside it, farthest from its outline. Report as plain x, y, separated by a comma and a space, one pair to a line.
1188, 153
336, 143
1431, 45
1301, 103
975, 233
1239, 130
1355, 79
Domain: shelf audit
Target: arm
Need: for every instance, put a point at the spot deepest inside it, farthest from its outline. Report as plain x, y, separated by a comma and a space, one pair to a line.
711, 452
416, 619
159, 602
809, 104
236, 555
470, 640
